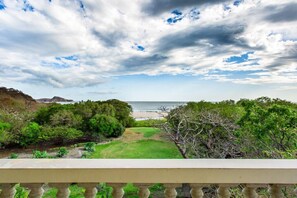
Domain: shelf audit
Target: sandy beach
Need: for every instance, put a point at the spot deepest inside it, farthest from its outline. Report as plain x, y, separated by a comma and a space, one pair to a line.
145, 115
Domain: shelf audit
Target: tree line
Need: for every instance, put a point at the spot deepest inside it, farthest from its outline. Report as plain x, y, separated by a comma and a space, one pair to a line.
61, 124
260, 128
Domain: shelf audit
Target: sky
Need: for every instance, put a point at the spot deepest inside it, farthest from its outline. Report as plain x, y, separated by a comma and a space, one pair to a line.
150, 50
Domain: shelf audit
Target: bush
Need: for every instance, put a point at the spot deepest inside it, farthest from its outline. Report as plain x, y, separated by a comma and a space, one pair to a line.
13, 156
90, 146
62, 152
59, 134
85, 155
4, 134
30, 134
106, 125
40, 154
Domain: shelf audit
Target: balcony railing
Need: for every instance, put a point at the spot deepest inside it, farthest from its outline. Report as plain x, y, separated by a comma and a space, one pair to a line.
60, 173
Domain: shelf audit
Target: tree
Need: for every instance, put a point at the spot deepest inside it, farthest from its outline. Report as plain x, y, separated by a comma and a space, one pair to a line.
122, 111
106, 109
106, 125
272, 129
203, 133
66, 118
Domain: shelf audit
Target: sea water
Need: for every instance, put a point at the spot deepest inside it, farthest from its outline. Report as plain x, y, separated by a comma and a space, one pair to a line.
153, 106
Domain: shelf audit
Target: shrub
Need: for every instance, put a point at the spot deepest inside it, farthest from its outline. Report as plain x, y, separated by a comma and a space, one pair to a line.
30, 134
66, 118
106, 125
4, 134
90, 146
85, 155
40, 154
13, 156
58, 134
62, 152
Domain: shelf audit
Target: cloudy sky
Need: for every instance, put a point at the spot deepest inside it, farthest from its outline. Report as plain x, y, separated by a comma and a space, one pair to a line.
177, 50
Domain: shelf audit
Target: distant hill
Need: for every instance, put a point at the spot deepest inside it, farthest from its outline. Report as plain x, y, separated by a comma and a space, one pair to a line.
15, 100
54, 99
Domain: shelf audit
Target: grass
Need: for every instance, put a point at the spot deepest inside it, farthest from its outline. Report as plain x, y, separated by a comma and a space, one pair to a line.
148, 145
146, 131
142, 149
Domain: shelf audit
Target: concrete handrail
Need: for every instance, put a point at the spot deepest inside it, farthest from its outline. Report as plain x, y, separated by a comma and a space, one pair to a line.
60, 173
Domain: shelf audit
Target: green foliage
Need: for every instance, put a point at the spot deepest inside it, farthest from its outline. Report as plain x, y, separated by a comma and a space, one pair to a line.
30, 134
39, 154
59, 134
122, 111
260, 128
106, 109
21, 192
13, 156
106, 125
86, 155
271, 127
65, 118
12, 125
4, 134
90, 147
62, 152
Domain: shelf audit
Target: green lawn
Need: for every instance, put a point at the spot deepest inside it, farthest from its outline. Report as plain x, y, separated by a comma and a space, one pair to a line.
148, 146
146, 131
141, 149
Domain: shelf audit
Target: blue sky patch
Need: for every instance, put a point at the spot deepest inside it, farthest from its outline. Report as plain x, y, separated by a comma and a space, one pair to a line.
82, 6
239, 59
27, 6
194, 14
226, 7
72, 58
236, 74
177, 12
2, 5
57, 65
237, 2
138, 47
177, 16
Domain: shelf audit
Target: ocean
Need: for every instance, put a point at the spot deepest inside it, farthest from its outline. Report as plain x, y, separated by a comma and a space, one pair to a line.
153, 106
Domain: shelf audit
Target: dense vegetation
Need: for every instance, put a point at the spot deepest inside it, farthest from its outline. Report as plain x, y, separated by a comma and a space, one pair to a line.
60, 124
260, 128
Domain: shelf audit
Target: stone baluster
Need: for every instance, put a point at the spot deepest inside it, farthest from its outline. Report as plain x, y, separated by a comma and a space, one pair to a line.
196, 190
36, 190
250, 191
170, 191
8, 190
63, 190
143, 192
91, 189
223, 190
118, 191
275, 191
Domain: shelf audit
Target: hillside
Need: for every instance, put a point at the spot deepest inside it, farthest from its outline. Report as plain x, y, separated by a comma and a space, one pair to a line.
53, 100
15, 100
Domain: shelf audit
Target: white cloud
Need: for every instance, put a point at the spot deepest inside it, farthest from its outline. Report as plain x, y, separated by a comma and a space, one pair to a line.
102, 35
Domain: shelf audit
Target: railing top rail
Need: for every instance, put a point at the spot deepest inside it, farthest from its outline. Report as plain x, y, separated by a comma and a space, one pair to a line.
204, 171
148, 164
